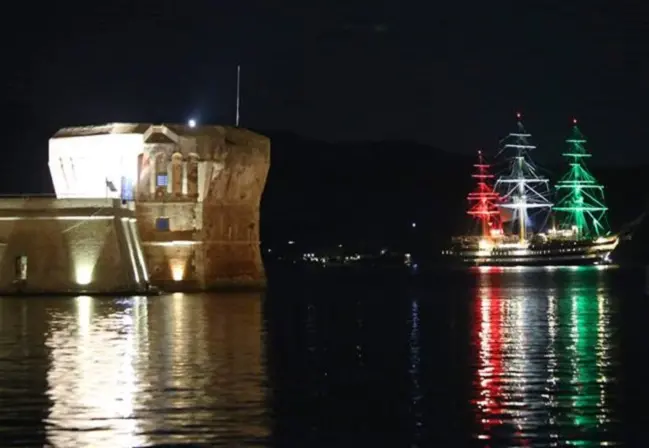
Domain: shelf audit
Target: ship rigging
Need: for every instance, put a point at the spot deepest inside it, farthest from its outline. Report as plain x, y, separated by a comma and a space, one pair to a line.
525, 194
484, 200
580, 205
513, 214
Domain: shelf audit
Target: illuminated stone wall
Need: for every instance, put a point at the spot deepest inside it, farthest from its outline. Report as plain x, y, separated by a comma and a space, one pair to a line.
171, 255
197, 192
70, 245
215, 178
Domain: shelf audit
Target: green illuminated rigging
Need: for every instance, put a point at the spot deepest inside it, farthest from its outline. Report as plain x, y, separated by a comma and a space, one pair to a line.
580, 205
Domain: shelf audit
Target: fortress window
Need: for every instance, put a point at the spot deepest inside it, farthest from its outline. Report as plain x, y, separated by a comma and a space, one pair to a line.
162, 224
162, 180
21, 268
127, 189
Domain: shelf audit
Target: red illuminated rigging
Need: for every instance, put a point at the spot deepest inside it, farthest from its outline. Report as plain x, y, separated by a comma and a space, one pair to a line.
484, 200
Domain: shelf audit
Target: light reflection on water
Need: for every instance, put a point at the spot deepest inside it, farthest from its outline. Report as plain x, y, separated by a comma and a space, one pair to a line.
480, 359
142, 371
544, 364
92, 381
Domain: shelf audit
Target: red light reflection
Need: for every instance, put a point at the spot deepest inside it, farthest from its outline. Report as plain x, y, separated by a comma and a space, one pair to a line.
490, 343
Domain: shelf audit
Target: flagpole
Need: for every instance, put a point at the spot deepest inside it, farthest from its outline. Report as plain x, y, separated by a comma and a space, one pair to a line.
238, 94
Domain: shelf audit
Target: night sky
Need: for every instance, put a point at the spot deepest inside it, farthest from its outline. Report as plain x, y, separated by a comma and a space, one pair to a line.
448, 74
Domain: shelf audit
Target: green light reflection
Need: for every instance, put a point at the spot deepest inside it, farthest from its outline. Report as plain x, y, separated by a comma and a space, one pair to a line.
588, 354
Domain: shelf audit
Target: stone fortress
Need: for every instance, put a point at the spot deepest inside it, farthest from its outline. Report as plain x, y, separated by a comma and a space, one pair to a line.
194, 191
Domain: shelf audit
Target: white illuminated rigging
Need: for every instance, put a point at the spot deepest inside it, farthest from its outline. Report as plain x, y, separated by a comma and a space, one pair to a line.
522, 189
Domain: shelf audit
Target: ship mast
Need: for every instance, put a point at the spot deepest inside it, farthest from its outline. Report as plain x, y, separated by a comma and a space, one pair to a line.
581, 203
523, 191
484, 199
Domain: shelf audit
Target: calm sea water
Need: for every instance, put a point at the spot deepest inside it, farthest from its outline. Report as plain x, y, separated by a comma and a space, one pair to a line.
513, 358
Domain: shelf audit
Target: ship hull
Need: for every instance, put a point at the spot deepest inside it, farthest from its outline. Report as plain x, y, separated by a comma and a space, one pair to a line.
570, 253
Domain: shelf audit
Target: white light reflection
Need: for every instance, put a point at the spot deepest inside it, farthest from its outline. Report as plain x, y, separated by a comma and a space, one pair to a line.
554, 369
177, 321
91, 379
516, 367
84, 315
553, 364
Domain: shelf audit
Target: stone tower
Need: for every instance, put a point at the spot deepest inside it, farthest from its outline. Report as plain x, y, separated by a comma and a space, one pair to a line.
196, 193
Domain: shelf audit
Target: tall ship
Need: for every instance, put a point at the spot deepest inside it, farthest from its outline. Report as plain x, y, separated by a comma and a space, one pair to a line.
519, 224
